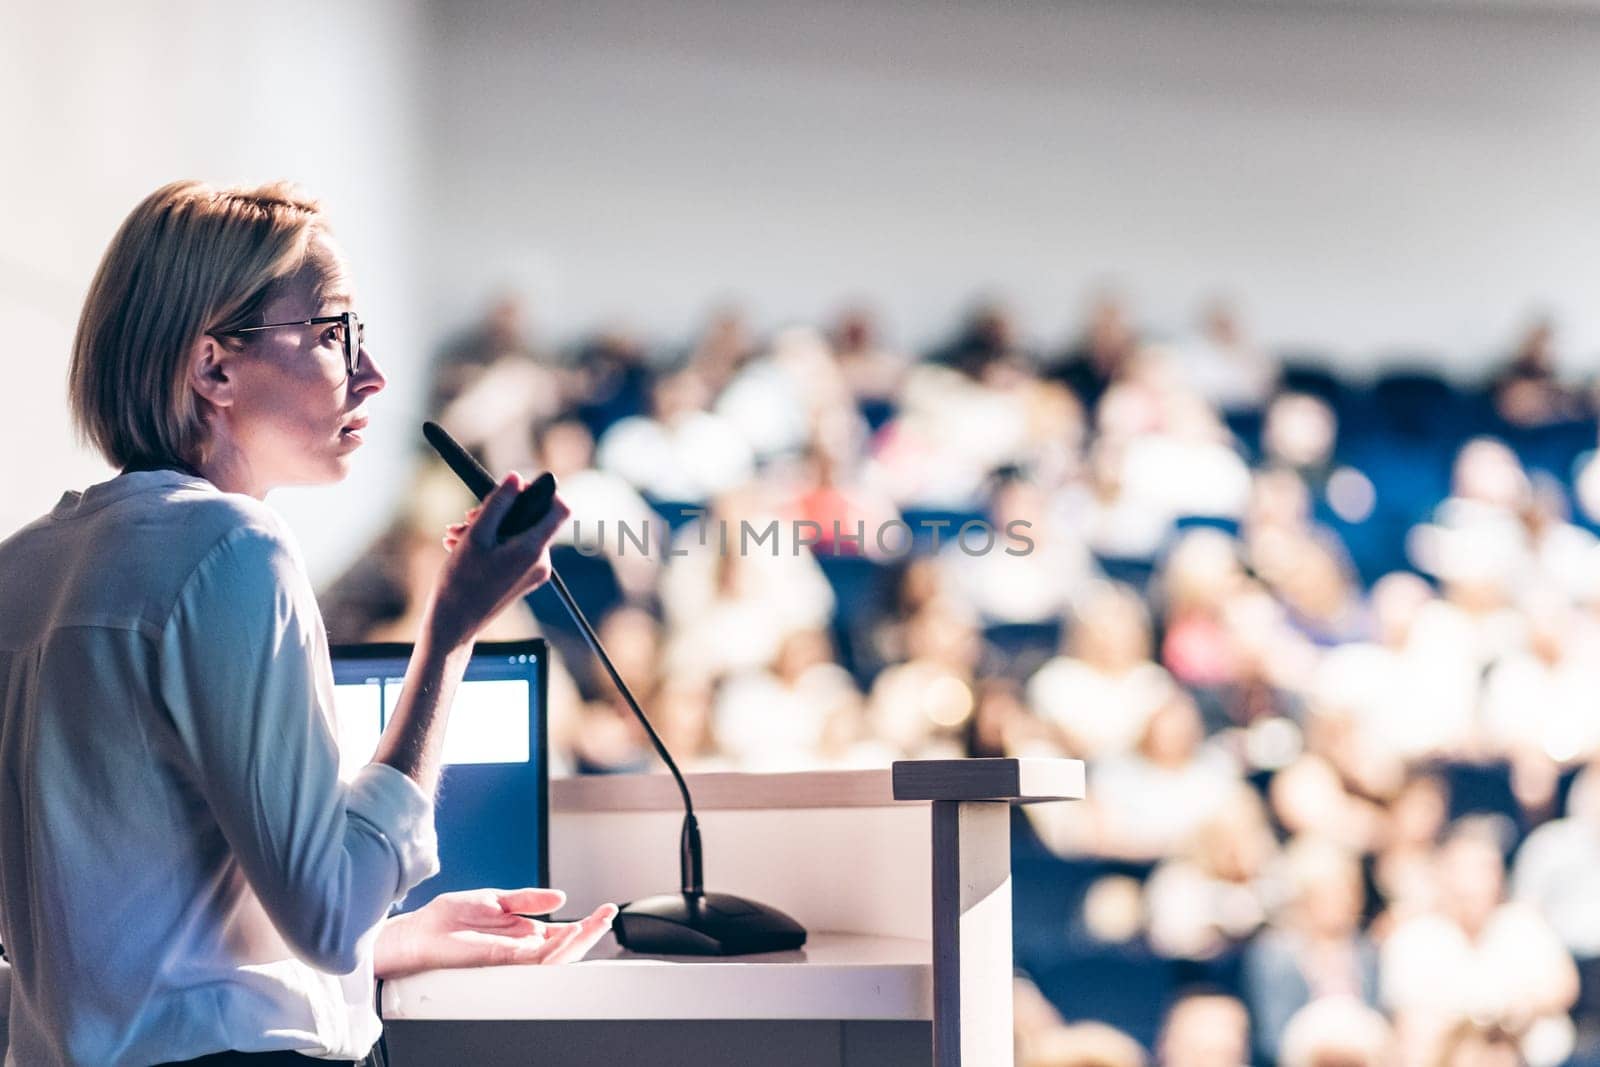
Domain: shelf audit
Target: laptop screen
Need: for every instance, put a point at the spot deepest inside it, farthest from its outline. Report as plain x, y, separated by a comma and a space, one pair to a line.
490, 814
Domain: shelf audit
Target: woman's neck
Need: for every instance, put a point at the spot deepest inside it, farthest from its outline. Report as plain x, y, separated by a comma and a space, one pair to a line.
225, 466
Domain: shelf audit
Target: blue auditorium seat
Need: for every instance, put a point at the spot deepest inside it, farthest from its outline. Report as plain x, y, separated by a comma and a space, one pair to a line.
1226, 523
1307, 373
1132, 571
877, 412
863, 592
593, 584
1023, 647
1128, 987
679, 513
1553, 448
1416, 404
1246, 429
1483, 789
922, 535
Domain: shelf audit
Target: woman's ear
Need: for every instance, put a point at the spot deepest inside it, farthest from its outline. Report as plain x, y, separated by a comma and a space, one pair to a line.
210, 371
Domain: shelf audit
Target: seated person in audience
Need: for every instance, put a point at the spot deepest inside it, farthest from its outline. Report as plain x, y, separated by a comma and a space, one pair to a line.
1155, 800
1208, 899
1504, 528
1528, 391
920, 707
608, 738
1404, 867
1409, 689
1117, 522
1084, 1044
989, 339
725, 344
609, 517
1101, 352
1028, 569
1216, 640
1339, 1032
1032, 1014
791, 396
775, 718
1051, 452
1199, 577
1319, 590
1473, 1044
610, 379
1223, 365
1309, 797
1175, 455
852, 518
961, 417
1001, 725
1104, 687
1538, 700
872, 370
1205, 1029
1478, 956
1298, 435
1314, 947
731, 608
1557, 870
501, 335
680, 451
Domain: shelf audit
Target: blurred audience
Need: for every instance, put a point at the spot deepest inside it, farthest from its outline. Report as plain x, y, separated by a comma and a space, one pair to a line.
1316, 949
1328, 648
1205, 1029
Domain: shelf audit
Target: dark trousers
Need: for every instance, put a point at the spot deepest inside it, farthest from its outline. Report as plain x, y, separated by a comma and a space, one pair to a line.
374, 1058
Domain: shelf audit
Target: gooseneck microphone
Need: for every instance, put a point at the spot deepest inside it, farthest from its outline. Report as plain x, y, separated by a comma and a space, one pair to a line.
690, 922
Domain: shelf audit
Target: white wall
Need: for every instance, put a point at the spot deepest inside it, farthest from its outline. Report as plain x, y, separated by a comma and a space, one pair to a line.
1363, 177
102, 103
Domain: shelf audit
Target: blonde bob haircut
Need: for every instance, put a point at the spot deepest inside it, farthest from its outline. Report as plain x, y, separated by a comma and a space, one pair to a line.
189, 260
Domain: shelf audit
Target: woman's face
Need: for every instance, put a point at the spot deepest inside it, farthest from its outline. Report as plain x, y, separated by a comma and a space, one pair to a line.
294, 416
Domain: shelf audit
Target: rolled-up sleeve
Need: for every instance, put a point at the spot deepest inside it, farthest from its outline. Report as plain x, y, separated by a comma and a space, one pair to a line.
246, 681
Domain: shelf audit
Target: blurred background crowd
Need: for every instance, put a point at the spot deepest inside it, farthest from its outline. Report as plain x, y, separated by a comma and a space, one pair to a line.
1329, 647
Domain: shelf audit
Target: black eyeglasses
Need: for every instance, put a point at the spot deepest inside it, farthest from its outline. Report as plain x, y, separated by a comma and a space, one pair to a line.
354, 335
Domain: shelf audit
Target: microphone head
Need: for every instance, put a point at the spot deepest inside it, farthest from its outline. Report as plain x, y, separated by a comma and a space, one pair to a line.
469, 470
531, 505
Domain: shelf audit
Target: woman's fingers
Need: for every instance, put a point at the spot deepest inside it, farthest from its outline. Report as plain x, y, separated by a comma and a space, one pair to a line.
532, 901
582, 936
495, 508
540, 532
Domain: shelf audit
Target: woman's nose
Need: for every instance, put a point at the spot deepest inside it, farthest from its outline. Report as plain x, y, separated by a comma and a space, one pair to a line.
369, 378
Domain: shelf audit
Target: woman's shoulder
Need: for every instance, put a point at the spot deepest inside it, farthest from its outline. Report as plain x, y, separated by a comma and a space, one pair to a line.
234, 532
126, 560
233, 550
208, 516
177, 527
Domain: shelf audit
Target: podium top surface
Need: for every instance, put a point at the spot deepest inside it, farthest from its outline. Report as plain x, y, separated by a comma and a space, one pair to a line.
1022, 781
835, 976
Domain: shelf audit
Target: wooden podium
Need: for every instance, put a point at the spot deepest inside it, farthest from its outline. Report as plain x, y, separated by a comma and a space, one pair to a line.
901, 877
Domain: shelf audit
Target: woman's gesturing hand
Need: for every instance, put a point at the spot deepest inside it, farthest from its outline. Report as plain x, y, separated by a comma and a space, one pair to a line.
483, 574
485, 928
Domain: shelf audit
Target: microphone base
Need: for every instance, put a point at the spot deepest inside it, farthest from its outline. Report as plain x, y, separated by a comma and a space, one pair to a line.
705, 924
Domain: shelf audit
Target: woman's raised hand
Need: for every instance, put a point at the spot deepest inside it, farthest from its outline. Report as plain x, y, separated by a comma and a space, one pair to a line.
484, 574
